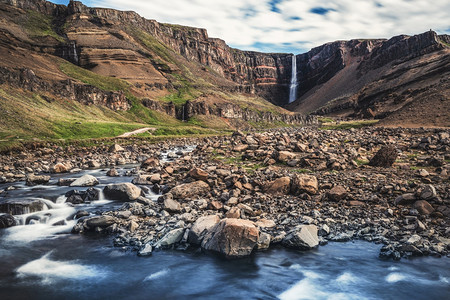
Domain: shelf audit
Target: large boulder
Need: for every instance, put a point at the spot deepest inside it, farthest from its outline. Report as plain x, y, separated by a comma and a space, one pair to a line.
189, 190
85, 180
304, 237
122, 191
22, 206
150, 163
279, 186
385, 157
7, 220
61, 168
284, 156
37, 179
99, 221
201, 227
232, 238
302, 183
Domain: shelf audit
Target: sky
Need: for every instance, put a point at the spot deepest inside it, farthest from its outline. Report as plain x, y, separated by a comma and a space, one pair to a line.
292, 26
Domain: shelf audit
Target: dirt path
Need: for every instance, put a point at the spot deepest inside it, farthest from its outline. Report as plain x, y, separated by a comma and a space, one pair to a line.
137, 131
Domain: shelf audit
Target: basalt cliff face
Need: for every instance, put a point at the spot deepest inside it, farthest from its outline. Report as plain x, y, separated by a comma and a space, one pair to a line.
358, 78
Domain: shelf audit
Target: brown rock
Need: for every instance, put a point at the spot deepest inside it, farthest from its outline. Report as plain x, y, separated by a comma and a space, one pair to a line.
385, 157
215, 205
232, 238
423, 207
337, 193
199, 174
172, 205
284, 156
149, 163
115, 148
279, 186
233, 213
61, 168
240, 148
302, 183
189, 190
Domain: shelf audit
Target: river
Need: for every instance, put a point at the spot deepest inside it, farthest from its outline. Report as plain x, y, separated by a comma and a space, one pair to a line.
42, 261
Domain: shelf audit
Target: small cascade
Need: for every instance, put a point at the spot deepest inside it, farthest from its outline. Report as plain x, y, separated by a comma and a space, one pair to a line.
293, 86
182, 113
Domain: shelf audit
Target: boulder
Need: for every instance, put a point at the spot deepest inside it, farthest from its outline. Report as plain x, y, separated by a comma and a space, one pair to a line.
198, 174
60, 168
201, 227
427, 192
337, 193
112, 172
115, 148
232, 238
150, 163
171, 205
7, 220
122, 191
385, 157
172, 237
37, 179
302, 183
405, 199
189, 190
22, 206
304, 237
285, 156
85, 180
279, 186
423, 207
99, 221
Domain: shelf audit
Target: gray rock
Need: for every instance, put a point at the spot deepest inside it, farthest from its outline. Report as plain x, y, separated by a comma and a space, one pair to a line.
146, 250
7, 220
172, 205
85, 180
22, 206
122, 191
427, 192
37, 179
304, 237
99, 221
172, 237
263, 241
201, 227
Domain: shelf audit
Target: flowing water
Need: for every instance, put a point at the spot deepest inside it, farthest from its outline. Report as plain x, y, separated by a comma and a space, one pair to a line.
293, 86
42, 261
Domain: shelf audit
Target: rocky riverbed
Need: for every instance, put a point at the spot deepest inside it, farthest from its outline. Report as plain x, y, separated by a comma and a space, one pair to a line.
242, 193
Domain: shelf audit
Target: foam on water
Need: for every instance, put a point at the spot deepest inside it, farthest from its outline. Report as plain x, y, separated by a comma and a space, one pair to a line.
157, 275
395, 277
51, 270
347, 278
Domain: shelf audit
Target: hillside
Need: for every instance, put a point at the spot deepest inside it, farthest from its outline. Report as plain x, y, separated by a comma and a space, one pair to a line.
65, 69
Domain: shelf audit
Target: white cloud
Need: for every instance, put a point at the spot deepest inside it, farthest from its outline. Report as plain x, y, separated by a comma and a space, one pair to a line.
293, 27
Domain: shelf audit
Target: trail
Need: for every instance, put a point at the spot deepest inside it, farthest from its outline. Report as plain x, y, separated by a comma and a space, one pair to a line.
137, 131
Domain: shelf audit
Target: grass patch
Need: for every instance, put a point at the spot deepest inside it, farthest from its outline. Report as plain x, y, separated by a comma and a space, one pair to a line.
104, 83
39, 25
348, 124
88, 130
361, 162
153, 44
325, 120
302, 171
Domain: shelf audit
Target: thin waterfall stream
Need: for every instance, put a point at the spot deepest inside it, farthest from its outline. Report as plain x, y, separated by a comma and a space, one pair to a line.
293, 86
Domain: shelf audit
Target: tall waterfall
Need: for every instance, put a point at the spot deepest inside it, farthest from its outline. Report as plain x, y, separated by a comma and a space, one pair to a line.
75, 54
293, 86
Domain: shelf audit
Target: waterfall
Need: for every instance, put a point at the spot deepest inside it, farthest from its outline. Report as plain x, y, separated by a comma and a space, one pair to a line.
293, 86
75, 54
182, 115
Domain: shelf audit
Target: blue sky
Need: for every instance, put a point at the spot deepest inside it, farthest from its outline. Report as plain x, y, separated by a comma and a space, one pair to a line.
292, 26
